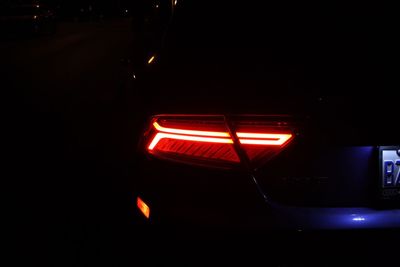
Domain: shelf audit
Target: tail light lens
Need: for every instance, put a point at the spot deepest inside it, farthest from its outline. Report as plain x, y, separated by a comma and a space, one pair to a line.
214, 141
262, 138
201, 140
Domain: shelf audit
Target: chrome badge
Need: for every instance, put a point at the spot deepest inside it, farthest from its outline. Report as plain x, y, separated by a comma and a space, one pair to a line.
390, 171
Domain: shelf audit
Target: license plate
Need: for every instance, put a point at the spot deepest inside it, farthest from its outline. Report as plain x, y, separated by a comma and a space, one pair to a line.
390, 171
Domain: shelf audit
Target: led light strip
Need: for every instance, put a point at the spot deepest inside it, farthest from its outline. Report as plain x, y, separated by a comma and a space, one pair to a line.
216, 137
189, 132
264, 139
160, 136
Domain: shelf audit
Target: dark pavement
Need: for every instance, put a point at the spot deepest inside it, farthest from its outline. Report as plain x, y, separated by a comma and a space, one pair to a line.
70, 143
77, 66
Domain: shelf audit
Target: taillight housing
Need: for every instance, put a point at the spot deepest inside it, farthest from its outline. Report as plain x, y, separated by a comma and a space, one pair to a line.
216, 140
263, 137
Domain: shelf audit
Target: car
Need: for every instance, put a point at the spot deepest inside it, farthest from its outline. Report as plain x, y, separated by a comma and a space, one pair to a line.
27, 19
275, 118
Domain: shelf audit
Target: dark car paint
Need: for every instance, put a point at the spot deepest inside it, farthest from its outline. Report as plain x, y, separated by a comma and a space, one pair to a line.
319, 64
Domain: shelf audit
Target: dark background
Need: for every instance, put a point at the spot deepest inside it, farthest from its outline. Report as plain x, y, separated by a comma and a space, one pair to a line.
67, 152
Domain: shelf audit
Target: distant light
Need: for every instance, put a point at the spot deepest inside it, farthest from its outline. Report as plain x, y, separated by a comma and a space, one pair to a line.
37, 6
151, 60
35, 17
157, 6
358, 219
126, 10
175, 2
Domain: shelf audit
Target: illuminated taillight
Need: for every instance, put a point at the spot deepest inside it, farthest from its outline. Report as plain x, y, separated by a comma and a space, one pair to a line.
203, 140
263, 137
208, 140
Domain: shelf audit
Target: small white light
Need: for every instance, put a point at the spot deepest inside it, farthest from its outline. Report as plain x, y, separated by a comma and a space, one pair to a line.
151, 60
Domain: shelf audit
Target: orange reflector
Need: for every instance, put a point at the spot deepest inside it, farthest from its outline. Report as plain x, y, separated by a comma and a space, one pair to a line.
143, 207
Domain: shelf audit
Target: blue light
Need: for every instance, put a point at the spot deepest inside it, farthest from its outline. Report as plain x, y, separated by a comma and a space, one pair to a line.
358, 219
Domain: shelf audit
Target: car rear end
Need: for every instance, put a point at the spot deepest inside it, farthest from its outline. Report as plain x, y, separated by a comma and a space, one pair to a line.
307, 197
265, 121
283, 175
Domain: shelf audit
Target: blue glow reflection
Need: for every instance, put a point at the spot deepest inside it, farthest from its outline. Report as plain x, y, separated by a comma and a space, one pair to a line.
340, 218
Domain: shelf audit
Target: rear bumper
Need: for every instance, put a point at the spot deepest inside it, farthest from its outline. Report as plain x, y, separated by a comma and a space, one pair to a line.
223, 216
181, 195
338, 218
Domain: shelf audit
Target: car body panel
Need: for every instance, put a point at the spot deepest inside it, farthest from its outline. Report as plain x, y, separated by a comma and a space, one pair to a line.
328, 81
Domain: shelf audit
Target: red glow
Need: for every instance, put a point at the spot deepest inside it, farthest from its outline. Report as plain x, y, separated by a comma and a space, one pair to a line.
188, 135
160, 136
189, 132
263, 139
143, 207
192, 143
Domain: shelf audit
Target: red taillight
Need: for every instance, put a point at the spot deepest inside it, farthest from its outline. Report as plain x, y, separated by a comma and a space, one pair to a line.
188, 135
200, 140
207, 140
266, 139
